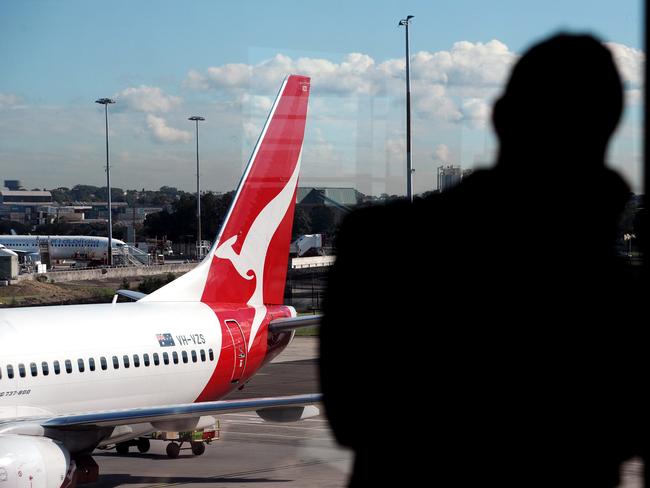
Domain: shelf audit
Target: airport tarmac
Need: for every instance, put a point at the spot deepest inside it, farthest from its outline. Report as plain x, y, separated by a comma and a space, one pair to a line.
250, 451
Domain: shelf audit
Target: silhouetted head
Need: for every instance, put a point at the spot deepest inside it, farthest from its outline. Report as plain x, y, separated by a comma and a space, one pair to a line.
562, 103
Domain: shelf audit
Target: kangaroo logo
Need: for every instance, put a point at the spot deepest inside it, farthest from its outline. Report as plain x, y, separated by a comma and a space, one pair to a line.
249, 263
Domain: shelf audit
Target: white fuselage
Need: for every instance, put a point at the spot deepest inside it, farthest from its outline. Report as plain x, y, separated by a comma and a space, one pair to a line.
62, 247
91, 346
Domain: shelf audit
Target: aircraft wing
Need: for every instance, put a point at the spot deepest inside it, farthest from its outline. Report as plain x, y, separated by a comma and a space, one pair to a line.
114, 418
293, 323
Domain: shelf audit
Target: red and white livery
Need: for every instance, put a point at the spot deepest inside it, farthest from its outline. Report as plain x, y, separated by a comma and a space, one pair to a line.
73, 378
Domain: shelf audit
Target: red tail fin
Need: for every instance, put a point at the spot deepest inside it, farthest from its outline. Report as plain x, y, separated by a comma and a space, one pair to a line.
248, 262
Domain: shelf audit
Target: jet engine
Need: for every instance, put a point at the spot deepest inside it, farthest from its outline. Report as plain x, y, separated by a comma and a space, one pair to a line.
34, 462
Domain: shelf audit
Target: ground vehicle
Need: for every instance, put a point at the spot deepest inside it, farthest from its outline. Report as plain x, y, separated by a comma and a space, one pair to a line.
197, 439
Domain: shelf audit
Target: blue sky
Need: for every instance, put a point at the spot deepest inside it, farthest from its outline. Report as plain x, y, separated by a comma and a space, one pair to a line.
164, 61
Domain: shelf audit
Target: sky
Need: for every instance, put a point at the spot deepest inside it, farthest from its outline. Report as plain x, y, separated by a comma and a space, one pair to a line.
163, 61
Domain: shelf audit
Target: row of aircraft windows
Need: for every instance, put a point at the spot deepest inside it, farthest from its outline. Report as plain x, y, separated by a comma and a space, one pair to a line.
147, 361
65, 244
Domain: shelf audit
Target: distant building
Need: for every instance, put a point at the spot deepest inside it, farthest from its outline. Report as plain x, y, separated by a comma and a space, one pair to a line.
448, 177
13, 185
339, 200
24, 206
343, 198
134, 215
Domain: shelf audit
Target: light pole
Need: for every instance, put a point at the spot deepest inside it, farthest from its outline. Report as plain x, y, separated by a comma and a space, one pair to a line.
409, 167
105, 102
199, 249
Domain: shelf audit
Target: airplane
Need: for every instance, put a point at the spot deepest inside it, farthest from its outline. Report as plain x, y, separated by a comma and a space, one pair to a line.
77, 377
62, 247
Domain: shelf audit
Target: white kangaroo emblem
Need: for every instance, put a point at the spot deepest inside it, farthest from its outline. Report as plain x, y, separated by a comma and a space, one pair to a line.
250, 261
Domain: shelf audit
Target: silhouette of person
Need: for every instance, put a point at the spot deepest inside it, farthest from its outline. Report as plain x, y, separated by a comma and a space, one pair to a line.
480, 335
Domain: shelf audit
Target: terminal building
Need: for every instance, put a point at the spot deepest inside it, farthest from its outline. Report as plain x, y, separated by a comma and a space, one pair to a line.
24, 206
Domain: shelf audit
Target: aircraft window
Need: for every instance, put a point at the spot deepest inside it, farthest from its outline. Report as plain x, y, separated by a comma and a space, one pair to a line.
145, 359
46, 368
57, 367
125, 358
194, 358
80, 365
175, 357
203, 355
102, 362
34, 369
211, 354
68, 366
10, 371
0, 373
116, 363
136, 361
165, 358
21, 370
91, 364
184, 354
156, 359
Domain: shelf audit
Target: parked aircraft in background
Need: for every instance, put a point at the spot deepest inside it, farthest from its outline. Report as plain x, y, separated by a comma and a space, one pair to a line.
89, 248
73, 378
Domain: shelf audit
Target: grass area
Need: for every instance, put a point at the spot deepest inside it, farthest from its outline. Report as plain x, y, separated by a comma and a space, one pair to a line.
41, 292
308, 332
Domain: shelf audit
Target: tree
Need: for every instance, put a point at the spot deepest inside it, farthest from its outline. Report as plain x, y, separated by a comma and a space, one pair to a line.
181, 221
301, 223
322, 220
6, 226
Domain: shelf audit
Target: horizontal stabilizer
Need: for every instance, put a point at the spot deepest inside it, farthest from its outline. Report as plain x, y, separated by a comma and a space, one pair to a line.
293, 323
131, 294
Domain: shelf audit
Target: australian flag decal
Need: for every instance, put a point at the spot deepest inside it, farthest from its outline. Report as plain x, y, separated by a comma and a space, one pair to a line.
165, 340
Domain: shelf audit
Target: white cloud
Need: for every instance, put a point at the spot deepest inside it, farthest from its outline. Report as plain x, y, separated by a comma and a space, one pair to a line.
476, 111
8, 100
251, 132
442, 154
161, 132
149, 99
441, 81
261, 105
395, 149
630, 63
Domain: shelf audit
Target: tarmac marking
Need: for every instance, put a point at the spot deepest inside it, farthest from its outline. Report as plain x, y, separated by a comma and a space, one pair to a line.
280, 435
273, 426
253, 472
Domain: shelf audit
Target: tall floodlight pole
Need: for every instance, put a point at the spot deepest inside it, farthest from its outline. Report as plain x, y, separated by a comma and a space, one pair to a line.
199, 249
105, 102
409, 166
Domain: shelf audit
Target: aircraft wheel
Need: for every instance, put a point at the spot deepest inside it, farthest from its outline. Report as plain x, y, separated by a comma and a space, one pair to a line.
173, 450
143, 445
122, 448
198, 448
